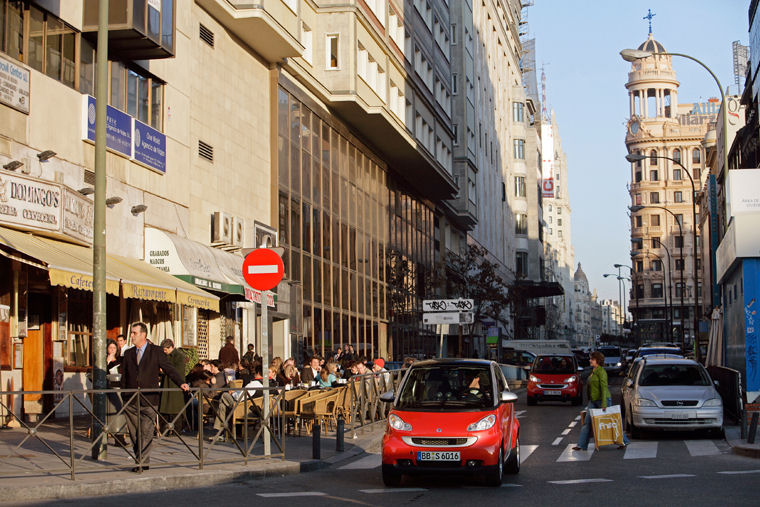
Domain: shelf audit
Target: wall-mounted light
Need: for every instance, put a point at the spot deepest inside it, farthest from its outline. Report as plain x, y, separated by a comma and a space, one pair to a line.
86, 190
12, 165
113, 201
46, 155
138, 208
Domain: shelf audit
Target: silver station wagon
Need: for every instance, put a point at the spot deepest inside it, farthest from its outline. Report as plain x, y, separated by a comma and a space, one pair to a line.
666, 393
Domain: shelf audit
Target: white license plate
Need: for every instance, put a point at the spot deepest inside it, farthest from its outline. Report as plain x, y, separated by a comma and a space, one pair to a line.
681, 415
553, 393
437, 455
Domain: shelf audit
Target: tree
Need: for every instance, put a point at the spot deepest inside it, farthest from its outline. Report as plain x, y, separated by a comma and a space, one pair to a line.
473, 276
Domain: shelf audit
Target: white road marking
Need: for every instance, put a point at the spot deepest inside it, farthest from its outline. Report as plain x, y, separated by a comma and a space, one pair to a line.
738, 472
390, 490
670, 476
577, 418
572, 424
520, 413
365, 463
526, 451
570, 455
702, 447
294, 493
565, 432
641, 450
263, 269
557, 441
579, 481
511, 485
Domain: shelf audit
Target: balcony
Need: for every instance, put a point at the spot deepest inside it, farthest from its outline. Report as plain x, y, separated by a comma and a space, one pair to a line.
269, 27
137, 29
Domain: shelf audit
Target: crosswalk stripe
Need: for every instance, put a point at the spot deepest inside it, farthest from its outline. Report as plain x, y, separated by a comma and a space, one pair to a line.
557, 441
641, 450
569, 455
365, 463
391, 490
702, 447
566, 431
526, 451
293, 493
668, 476
572, 424
580, 481
739, 472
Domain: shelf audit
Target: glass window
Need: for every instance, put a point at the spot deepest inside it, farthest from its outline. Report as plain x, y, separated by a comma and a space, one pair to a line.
157, 105
332, 52
677, 155
118, 88
521, 263
520, 187
653, 176
521, 223
677, 174
86, 67
654, 197
673, 375
167, 24
678, 196
36, 42
656, 290
14, 35
696, 156
654, 220
655, 242
519, 149
653, 157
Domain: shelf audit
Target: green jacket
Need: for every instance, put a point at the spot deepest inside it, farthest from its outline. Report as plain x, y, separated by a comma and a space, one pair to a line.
597, 386
172, 402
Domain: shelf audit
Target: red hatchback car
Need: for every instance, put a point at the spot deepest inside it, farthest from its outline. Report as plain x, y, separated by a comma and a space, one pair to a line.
452, 416
555, 377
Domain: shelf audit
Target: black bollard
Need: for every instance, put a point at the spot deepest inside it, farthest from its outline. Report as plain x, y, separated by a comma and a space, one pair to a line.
752, 428
339, 434
316, 444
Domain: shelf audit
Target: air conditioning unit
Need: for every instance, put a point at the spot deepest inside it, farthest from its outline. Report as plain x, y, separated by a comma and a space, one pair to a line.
238, 231
264, 235
221, 229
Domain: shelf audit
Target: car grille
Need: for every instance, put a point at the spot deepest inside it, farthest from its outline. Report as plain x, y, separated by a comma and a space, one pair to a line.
678, 422
552, 386
680, 403
437, 442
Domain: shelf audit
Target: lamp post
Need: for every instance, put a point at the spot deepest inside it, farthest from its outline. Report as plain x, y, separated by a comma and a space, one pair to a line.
637, 157
631, 55
633, 288
634, 209
619, 278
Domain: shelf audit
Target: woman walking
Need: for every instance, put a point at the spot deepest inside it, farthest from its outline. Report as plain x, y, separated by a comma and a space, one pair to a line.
598, 397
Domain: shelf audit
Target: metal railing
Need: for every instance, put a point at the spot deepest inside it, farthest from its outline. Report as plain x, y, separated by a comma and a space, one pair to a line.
70, 440
365, 391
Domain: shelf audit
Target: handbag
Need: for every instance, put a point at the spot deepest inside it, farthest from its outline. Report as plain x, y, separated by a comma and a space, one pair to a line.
607, 426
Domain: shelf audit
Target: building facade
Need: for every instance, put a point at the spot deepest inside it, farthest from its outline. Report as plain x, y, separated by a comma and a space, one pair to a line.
669, 134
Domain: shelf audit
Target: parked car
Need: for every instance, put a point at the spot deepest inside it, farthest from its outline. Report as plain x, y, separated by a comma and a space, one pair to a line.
517, 357
612, 358
555, 377
582, 357
670, 393
451, 416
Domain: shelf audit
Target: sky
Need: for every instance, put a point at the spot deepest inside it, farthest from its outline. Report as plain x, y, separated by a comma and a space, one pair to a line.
578, 43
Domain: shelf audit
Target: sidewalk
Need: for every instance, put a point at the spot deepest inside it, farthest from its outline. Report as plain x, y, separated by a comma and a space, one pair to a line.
739, 446
26, 477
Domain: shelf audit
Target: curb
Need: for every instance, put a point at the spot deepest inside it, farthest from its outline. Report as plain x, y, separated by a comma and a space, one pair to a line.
743, 450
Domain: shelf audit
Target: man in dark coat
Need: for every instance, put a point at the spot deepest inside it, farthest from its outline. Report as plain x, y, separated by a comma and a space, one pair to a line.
141, 368
172, 402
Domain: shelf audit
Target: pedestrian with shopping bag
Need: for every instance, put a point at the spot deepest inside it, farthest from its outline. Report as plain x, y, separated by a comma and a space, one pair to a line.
599, 399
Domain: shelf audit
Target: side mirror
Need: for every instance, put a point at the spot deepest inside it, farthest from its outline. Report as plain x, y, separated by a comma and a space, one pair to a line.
388, 397
508, 397
629, 382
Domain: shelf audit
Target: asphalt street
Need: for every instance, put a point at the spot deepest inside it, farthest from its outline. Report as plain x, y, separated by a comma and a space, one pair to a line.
660, 469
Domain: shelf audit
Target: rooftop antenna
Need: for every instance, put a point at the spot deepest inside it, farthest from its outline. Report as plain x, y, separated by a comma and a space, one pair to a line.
649, 16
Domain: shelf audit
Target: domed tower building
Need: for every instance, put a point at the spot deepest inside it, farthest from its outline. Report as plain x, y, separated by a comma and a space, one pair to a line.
669, 134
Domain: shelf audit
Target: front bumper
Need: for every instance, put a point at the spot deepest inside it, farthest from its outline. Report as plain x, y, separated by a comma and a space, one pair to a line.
477, 456
567, 392
677, 418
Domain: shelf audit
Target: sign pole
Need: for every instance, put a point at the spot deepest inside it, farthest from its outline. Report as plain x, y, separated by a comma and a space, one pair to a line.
440, 347
265, 367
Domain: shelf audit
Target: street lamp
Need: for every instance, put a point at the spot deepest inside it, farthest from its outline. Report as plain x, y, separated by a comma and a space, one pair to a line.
620, 304
634, 209
635, 296
637, 157
631, 55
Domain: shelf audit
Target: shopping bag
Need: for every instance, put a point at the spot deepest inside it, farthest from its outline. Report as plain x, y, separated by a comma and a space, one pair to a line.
607, 425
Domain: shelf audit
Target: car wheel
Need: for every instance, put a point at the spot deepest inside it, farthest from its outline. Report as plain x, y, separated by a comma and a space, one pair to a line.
632, 429
391, 478
513, 463
531, 400
716, 432
495, 475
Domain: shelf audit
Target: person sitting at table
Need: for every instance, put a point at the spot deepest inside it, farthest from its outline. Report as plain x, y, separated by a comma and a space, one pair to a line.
228, 400
311, 372
289, 376
327, 376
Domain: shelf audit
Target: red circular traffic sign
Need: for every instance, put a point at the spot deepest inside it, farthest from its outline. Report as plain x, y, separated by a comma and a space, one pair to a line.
263, 269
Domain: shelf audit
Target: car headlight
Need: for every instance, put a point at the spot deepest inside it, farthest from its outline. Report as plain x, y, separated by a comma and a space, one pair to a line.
619, 364
397, 423
713, 402
643, 402
571, 379
533, 378
486, 423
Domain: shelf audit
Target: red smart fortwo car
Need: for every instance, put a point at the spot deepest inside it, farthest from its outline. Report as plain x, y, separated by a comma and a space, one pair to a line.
452, 416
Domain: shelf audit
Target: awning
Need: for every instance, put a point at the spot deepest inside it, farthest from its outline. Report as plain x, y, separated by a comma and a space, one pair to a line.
70, 265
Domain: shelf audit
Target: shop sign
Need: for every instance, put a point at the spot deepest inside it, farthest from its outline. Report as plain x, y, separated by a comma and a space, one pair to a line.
255, 296
149, 146
14, 85
39, 205
547, 161
118, 127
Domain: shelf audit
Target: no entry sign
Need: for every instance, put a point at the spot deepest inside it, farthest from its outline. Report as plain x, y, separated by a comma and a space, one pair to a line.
263, 269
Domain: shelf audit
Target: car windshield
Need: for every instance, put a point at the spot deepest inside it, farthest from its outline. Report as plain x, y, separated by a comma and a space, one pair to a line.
553, 364
610, 351
447, 387
649, 352
673, 375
